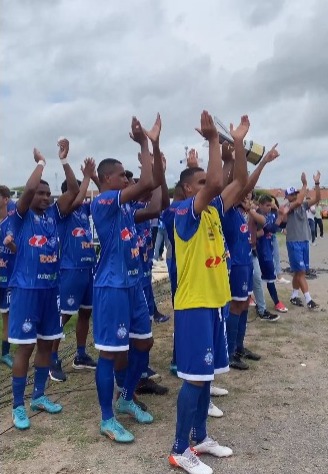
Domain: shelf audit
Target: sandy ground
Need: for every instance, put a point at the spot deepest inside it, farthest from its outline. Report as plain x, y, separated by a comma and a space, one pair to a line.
275, 416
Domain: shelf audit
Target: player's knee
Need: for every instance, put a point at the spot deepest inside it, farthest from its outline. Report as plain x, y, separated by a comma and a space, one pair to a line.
143, 345
25, 350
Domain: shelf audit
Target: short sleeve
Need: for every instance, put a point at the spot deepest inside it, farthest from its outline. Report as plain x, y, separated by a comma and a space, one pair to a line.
186, 222
106, 204
218, 204
54, 211
16, 220
86, 208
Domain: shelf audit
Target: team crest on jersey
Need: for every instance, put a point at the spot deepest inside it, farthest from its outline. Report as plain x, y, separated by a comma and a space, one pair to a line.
122, 331
209, 357
36, 218
38, 240
210, 233
244, 228
70, 301
78, 232
83, 216
50, 220
126, 234
27, 326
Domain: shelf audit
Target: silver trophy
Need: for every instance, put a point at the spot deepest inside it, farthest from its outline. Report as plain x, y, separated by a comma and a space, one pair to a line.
254, 151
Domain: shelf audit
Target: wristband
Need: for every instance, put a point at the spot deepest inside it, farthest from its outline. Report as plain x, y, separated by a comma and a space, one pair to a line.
64, 161
42, 163
317, 184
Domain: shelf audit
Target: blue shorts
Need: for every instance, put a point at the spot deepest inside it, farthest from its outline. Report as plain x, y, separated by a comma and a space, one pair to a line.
76, 290
298, 254
267, 270
119, 314
200, 343
34, 314
4, 300
241, 282
149, 295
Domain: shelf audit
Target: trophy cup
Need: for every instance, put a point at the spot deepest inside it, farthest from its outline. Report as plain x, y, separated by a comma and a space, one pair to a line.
254, 151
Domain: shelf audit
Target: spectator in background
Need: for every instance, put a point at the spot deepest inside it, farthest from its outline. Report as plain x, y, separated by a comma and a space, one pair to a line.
318, 220
310, 213
275, 245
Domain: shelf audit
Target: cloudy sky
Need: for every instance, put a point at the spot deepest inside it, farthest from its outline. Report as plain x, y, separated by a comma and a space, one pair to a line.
82, 68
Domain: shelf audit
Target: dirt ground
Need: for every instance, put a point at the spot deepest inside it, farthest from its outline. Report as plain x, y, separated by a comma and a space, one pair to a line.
275, 416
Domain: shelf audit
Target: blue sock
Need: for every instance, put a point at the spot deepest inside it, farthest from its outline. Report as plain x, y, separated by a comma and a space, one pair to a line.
105, 386
5, 348
273, 292
199, 432
120, 378
187, 404
137, 362
54, 356
80, 351
241, 331
174, 358
40, 379
18, 385
232, 323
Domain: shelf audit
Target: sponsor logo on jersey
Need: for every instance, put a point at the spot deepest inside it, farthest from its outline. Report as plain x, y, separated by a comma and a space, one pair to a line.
213, 262
78, 232
48, 258
244, 228
182, 212
106, 202
135, 252
38, 240
3, 263
126, 234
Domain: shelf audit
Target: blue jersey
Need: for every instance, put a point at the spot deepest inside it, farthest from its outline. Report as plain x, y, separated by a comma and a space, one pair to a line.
237, 235
119, 264
145, 244
75, 237
7, 257
264, 244
37, 258
11, 207
167, 218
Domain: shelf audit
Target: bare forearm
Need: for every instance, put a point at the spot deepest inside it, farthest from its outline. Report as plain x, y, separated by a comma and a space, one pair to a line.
214, 176
240, 168
158, 171
95, 179
31, 186
82, 192
227, 172
72, 185
146, 175
254, 177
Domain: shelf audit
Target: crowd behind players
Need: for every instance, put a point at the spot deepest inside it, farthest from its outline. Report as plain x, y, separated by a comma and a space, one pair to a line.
221, 247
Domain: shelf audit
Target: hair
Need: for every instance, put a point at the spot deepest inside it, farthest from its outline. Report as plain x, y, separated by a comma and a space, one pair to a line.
105, 167
128, 174
42, 181
265, 198
64, 185
178, 193
187, 174
4, 192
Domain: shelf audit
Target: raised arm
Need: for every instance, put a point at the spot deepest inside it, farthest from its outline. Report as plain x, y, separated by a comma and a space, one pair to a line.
228, 163
317, 197
88, 170
66, 200
258, 218
32, 184
145, 183
254, 177
214, 176
300, 196
153, 209
231, 193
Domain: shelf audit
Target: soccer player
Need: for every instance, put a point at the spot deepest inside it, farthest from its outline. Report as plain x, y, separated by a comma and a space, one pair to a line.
265, 248
7, 260
34, 307
120, 312
78, 259
199, 327
298, 236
